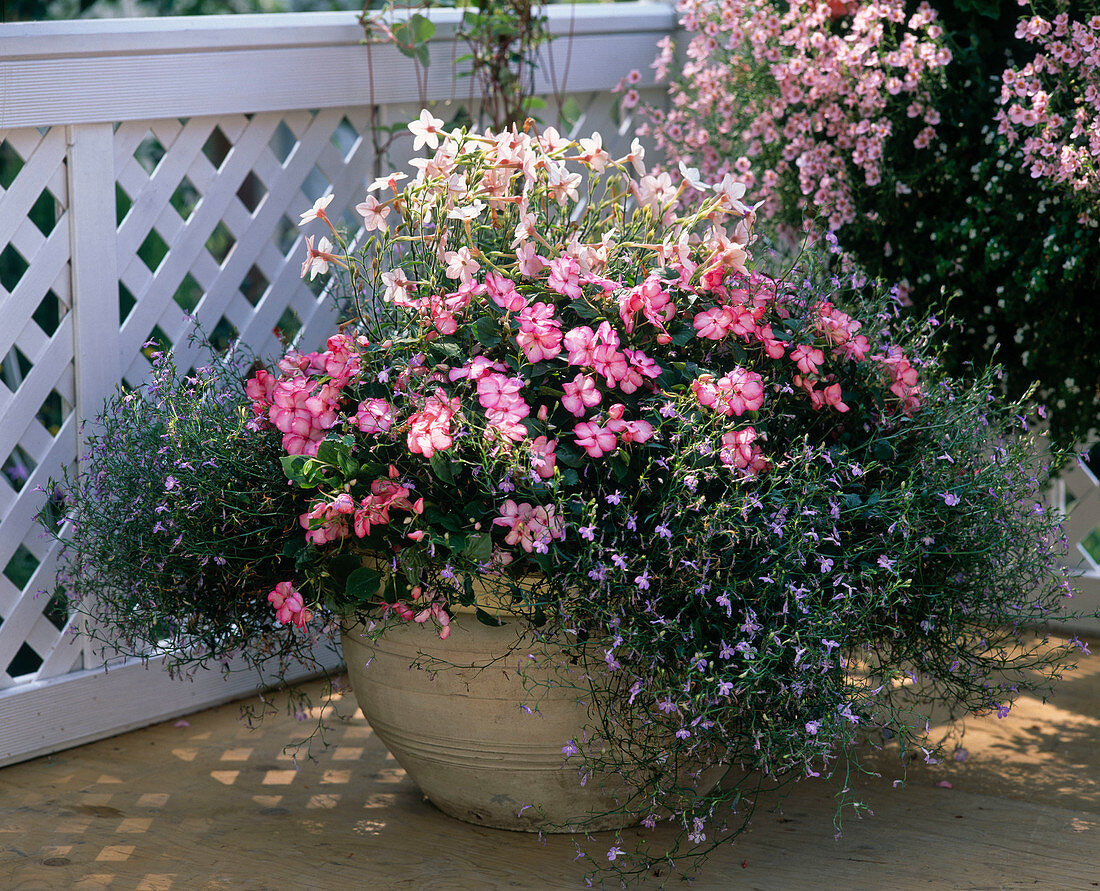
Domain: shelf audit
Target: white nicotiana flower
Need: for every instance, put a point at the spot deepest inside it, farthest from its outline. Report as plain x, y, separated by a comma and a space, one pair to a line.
691, 177
426, 130
469, 212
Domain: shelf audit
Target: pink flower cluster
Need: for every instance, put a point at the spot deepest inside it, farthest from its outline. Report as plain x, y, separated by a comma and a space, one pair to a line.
435, 611
532, 527
731, 395
303, 402
289, 607
1051, 104
328, 519
903, 378
430, 428
824, 120
740, 450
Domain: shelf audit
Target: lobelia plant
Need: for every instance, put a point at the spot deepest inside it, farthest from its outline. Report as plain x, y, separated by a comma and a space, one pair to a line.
761, 518
747, 506
178, 516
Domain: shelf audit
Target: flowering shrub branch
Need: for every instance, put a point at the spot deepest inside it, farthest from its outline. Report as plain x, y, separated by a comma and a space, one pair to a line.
820, 89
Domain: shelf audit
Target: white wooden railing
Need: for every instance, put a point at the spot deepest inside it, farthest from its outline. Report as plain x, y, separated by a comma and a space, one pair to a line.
153, 167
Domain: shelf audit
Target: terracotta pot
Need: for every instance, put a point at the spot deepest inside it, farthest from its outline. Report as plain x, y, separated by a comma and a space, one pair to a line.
460, 729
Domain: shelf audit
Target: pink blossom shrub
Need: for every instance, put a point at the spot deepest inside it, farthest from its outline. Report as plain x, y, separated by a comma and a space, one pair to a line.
1050, 106
799, 101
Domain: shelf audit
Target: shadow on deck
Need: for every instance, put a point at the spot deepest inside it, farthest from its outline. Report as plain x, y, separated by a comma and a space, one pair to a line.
208, 803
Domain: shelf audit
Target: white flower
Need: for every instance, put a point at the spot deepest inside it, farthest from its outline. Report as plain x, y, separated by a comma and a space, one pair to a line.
397, 285
374, 214
691, 177
469, 212
593, 154
426, 130
731, 192
637, 156
460, 264
387, 182
317, 211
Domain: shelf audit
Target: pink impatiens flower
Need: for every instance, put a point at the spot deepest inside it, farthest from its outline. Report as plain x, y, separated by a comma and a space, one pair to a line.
539, 334
594, 439
808, 359
374, 416
581, 393
430, 429
531, 527
543, 459
289, 607
739, 450
565, 276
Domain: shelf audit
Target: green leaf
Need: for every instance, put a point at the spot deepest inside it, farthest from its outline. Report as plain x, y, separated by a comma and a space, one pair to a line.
584, 309
421, 28
441, 467
487, 331
486, 619
682, 334
479, 547
455, 542
568, 455
305, 471
294, 547
363, 585
330, 450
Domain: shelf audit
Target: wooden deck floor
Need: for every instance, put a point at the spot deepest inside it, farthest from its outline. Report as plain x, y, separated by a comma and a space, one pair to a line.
211, 804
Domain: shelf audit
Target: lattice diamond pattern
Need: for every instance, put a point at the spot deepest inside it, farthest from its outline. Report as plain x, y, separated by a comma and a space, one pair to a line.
1078, 492
234, 240
37, 393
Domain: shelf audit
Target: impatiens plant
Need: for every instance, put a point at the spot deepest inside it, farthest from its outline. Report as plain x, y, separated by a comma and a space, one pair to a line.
742, 500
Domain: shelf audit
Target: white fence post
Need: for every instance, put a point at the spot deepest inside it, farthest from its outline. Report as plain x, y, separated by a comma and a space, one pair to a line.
94, 264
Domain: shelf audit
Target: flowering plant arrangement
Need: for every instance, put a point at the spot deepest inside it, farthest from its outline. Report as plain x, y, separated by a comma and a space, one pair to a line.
765, 515
747, 502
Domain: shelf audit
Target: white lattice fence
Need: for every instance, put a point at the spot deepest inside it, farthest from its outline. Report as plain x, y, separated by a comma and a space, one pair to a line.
37, 393
149, 174
1077, 494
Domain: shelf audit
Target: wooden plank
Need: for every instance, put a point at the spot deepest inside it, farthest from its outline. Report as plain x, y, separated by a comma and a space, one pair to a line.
113, 37
78, 89
94, 250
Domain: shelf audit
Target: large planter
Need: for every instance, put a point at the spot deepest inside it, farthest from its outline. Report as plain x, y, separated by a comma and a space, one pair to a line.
482, 739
